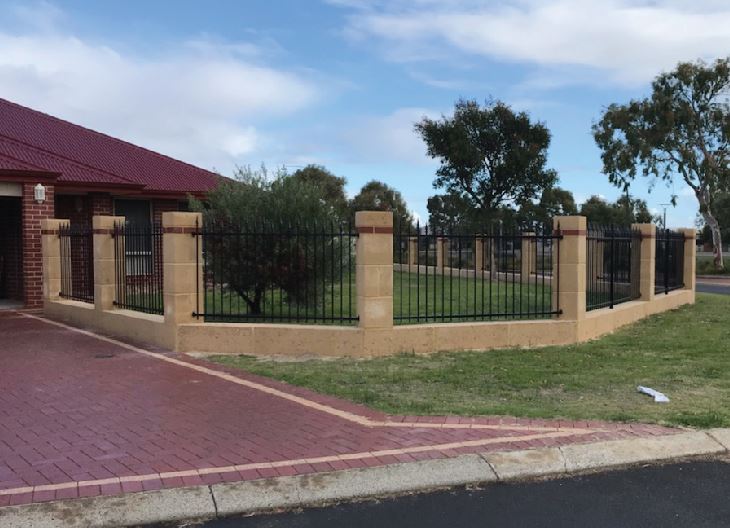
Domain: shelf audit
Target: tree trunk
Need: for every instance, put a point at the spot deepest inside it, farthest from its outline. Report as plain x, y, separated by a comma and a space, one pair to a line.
704, 197
254, 305
716, 238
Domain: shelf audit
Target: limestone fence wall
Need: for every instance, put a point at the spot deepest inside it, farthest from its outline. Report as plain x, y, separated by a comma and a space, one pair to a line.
181, 329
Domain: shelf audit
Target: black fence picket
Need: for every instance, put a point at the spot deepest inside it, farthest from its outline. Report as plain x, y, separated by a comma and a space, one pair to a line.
669, 270
303, 274
613, 257
138, 268
77, 262
476, 278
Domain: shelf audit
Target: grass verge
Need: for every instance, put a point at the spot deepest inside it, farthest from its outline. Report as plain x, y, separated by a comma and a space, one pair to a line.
706, 266
684, 353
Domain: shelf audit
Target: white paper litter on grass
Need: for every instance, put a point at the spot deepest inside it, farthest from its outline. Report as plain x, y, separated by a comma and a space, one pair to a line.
658, 396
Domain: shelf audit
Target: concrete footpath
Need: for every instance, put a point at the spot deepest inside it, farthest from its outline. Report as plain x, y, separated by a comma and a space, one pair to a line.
225, 499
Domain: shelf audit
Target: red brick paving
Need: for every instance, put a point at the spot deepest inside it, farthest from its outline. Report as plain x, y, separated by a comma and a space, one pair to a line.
82, 416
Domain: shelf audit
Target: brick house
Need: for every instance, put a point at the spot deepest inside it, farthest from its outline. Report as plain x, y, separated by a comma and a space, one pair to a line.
82, 173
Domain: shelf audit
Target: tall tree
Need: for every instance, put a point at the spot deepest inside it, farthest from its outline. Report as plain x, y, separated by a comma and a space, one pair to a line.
489, 155
331, 186
635, 210
378, 196
450, 211
682, 130
599, 211
554, 201
624, 211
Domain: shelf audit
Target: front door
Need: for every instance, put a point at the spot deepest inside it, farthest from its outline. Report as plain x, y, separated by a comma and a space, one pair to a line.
11, 248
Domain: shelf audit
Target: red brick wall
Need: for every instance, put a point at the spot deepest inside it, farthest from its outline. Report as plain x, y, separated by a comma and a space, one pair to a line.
80, 209
101, 204
163, 206
33, 213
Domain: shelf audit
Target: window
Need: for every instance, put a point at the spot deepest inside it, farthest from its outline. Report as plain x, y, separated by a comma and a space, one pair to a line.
138, 236
137, 212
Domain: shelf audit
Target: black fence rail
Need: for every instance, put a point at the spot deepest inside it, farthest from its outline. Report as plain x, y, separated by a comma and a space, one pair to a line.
77, 262
265, 273
669, 274
444, 276
138, 268
613, 260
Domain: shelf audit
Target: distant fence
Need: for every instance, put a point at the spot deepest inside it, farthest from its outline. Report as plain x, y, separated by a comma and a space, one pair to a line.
669, 274
613, 256
138, 268
444, 276
266, 273
77, 263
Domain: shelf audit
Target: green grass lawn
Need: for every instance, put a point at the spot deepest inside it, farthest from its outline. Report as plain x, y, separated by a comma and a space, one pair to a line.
435, 298
431, 297
684, 353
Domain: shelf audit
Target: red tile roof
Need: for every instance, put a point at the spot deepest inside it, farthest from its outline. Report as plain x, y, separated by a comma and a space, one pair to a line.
32, 140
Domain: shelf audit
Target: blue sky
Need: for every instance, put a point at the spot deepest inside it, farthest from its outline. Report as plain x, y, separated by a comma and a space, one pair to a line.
341, 82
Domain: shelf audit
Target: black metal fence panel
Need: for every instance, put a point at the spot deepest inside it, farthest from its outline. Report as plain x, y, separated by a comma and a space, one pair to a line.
613, 258
138, 268
286, 274
446, 276
669, 271
77, 263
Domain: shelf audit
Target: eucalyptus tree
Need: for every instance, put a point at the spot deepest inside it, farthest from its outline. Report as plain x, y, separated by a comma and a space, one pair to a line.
682, 131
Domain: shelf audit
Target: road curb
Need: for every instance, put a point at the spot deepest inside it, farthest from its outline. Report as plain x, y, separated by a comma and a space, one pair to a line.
284, 492
305, 490
113, 511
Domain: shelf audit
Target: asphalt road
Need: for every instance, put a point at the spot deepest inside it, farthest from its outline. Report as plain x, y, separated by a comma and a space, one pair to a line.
722, 289
686, 494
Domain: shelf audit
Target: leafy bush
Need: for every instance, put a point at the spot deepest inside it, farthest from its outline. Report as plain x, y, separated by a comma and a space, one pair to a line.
267, 233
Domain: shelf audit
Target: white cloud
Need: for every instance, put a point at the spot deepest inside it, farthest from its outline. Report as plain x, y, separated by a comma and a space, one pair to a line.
202, 101
389, 137
626, 41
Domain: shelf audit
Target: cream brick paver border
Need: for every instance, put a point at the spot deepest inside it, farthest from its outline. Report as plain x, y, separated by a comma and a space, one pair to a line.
546, 432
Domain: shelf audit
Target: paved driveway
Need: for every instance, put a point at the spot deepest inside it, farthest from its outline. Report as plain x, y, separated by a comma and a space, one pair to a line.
83, 415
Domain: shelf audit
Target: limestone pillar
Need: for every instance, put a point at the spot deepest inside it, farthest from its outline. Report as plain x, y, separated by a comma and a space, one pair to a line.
51, 252
442, 253
412, 251
478, 253
182, 257
569, 267
647, 262
374, 269
104, 264
527, 256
